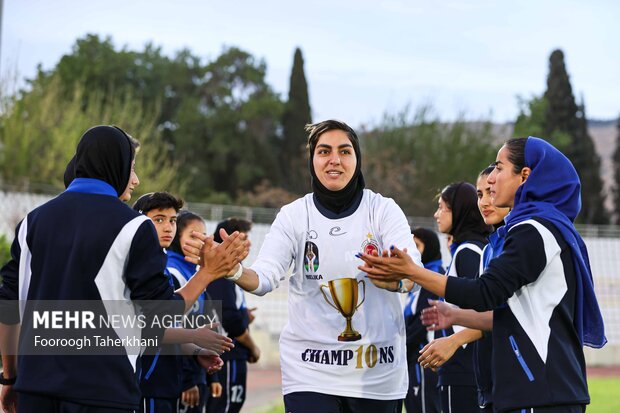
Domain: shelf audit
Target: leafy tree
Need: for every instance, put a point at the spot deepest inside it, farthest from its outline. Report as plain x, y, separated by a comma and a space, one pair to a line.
40, 130
593, 195
296, 115
564, 116
531, 118
209, 127
227, 135
560, 107
95, 65
531, 122
411, 157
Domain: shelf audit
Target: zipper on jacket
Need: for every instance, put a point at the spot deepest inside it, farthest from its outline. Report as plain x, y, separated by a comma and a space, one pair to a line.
520, 358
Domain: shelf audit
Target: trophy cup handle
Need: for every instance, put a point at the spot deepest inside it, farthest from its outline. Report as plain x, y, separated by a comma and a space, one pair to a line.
364, 291
325, 296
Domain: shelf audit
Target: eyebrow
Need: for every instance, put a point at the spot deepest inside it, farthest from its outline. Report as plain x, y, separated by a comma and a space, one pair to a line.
344, 145
164, 216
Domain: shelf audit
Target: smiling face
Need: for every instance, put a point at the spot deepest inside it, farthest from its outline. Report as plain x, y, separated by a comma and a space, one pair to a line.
334, 159
165, 221
443, 216
491, 214
504, 182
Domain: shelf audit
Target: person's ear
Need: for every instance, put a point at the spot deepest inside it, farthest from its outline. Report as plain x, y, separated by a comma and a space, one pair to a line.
525, 173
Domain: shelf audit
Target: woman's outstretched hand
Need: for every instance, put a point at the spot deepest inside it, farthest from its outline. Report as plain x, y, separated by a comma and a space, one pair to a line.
438, 316
391, 266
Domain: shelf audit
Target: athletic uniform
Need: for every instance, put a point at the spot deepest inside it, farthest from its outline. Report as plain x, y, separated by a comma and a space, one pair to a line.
235, 321
422, 395
321, 246
54, 258
457, 384
537, 357
544, 277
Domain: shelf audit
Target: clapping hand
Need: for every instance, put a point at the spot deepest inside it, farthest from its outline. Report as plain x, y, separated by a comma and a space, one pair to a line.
217, 259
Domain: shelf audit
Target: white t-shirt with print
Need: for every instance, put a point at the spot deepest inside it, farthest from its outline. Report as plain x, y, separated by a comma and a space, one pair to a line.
321, 250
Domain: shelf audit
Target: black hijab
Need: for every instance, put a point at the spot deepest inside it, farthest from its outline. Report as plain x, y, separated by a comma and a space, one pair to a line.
467, 222
339, 201
432, 249
69, 172
104, 153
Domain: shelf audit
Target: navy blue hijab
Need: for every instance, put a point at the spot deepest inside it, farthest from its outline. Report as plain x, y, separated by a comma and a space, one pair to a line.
553, 192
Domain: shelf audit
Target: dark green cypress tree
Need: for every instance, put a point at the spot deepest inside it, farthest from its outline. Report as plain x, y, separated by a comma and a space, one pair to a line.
616, 166
593, 210
296, 177
561, 109
565, 118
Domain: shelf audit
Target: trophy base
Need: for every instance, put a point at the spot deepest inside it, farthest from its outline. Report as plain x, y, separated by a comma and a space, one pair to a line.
353, 336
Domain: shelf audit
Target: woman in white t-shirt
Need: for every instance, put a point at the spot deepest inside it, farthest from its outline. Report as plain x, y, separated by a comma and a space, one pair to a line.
343, 349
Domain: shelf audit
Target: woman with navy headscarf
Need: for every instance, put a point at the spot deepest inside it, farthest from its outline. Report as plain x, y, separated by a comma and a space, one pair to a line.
543, 276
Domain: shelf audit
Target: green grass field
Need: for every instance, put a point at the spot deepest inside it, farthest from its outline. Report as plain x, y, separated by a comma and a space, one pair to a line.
604, 393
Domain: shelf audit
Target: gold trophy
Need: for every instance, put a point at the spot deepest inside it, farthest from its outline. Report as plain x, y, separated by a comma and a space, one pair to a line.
344, 294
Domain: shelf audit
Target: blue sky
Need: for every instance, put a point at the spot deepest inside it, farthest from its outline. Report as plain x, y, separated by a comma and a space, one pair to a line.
363, 58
